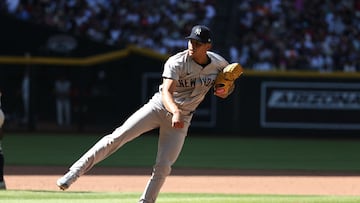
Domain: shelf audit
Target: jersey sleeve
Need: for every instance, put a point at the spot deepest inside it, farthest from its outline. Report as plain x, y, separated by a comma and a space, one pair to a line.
174, 66
219, 60
170, 70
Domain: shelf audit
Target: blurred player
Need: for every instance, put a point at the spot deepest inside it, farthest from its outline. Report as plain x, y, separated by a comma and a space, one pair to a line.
2, 181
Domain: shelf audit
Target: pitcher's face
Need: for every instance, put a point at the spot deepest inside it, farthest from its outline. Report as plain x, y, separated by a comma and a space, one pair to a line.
197, 49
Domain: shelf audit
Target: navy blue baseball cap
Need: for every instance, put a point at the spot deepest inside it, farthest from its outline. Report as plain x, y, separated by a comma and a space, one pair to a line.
200, 33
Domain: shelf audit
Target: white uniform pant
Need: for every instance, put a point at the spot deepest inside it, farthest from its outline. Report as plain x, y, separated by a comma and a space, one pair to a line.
145, 119
2, 118
63, 111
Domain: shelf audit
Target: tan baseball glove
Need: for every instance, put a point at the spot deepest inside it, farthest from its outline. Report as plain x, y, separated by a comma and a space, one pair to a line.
225, 80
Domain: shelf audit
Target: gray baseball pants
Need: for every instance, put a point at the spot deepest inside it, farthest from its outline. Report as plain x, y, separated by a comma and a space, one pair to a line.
145, 119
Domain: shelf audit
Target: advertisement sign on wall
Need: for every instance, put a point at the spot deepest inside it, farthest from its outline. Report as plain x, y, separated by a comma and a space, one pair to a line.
310, 105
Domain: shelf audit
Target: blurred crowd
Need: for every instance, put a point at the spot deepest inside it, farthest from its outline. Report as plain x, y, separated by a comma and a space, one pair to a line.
321, 35
156, 24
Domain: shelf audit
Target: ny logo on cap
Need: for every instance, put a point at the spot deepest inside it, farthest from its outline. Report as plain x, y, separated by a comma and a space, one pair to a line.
197, 31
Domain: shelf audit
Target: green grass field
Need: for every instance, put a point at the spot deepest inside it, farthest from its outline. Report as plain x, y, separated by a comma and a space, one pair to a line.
199, 152
94, 197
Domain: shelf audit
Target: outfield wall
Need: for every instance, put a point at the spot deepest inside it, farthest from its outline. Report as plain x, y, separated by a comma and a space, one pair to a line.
264, 103
300, 103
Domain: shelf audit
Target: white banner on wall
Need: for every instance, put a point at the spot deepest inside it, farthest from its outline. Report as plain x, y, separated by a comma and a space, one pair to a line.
310, 105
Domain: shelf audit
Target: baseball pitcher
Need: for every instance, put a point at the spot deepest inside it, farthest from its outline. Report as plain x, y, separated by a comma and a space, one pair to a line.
187, 77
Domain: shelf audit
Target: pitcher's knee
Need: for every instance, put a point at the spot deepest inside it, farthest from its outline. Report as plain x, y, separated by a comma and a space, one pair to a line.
161, 171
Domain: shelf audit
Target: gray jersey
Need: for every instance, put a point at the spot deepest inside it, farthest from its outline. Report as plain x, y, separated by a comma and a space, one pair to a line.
192, 80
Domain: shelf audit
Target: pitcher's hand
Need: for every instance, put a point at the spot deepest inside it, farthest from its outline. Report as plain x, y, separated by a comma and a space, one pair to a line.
176, 121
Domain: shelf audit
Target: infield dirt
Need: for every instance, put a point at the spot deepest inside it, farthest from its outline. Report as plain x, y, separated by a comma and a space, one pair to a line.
189, 181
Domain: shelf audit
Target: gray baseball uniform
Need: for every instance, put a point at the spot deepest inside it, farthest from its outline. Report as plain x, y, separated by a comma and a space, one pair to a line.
192, 84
